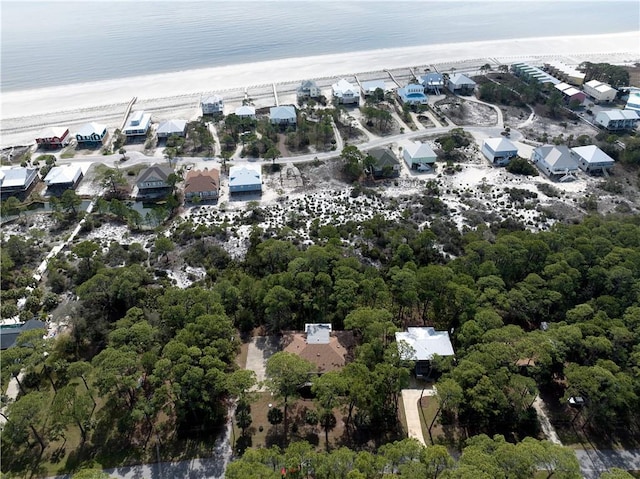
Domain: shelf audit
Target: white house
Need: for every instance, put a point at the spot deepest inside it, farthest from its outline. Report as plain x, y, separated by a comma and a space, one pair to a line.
91, 134
412, 94
369, 87
555, 161
246, 111
615, 120
243, 179
283, 115
344, 93
424, 344
461, 84
499, 151
17, 181
418, 155
600, 92
308, 89
592, 159
61, 178
212, 105
137, 124
172, 127
633, 102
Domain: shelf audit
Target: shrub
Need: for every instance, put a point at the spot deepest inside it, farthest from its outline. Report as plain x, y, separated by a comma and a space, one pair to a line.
520, 166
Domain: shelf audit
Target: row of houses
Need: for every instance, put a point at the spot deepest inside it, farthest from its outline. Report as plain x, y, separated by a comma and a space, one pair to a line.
20, 181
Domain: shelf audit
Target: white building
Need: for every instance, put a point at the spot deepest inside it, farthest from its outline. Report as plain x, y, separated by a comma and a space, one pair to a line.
172, 127
555, 161
499, 151
212, 105
592, 159
418, 155
424, 344
565, 72
91, 133
283, 115
62, 178
308, 89
246, 111
369, 87
137, 124
633, 102
344, 93
616, 120
599, 91
462, 84
243, 179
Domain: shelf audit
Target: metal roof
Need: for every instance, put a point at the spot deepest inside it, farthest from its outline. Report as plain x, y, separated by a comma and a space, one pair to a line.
90, 128
592, 154
284, 112
244, 176
15, 177
419, 150
172, 126
63, 174
318, 333
425, 343
500, 144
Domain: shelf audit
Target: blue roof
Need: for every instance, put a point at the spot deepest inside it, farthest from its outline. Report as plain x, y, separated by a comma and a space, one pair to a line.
244, 176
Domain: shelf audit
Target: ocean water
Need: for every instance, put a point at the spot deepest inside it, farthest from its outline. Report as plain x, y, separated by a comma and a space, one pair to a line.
60, 42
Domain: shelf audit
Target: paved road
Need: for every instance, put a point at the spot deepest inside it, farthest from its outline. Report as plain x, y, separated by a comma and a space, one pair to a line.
594, 463
545, 424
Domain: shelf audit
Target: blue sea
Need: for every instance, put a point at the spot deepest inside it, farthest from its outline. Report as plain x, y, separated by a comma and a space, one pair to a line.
60, 42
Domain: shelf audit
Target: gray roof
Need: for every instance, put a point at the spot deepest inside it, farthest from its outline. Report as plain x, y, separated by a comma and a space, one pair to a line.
420, 150
62, 175
318, 333
307, 85
425, 343
161, 172
244, 176
498, 145
459, 79
91, 128
592, 154
212, 100
620, 114
557, 157
384, 157
245, 110
371, 86
282, 112
435, 79
8, 335
172, 126
15, 177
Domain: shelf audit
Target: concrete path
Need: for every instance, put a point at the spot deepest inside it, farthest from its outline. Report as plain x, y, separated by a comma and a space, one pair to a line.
595, 462
545, 424
260, 349
410, 398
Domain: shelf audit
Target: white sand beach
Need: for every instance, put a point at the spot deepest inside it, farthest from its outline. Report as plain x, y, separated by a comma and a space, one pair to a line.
67, 99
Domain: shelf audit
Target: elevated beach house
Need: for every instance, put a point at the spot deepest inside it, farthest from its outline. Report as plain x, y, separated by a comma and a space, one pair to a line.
245, 179
137, 124
328, 350
571, 93
461, 84
172, 127
412, 94
385, 164
308, 89
17, 182
421, 345
555, 161
618, 120
432, 82
418, 155
633, 102
344, 93
91, 134
592, 159
61, 178
202, 184
284, 115
369, 87
600, 92
53, 138
153, 182
212, 105
499, 151
246, 111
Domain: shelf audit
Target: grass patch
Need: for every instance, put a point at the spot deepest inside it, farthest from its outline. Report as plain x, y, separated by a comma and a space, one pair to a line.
241, 359
403, 417
428, 408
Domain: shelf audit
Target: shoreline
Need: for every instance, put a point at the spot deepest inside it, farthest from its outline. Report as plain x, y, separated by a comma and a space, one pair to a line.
24, 103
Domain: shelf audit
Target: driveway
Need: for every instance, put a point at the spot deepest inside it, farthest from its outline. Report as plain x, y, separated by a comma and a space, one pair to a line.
260, 349
410, 398
595, 462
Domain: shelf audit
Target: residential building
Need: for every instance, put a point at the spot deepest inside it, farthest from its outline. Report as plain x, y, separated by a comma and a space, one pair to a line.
9, 334
91, 134
633, 102
283, 115
418, 155
533, 74
412, 94
592, 159
344, 93
600, 92
153, 182
61, 178
565, 72
212, 105
499, 151
137, 124
171, 128
245, 179
460, 84
369, 87
53, 137
386, 163
423, 344
202, 184
17, 181
433, 82
328, 350
616, 120
570, 93
555, 161
308, 89
246, 111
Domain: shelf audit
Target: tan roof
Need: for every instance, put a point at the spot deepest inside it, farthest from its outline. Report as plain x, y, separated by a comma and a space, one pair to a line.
326, 357
202, 180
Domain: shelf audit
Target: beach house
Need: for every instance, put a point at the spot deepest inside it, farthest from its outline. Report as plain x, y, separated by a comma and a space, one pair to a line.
499, 151
555, 161
412, 94
328, 350
91, 134
433, 82
62, 178
600, 92
308, 89
533, 74
385, 164
633, 102
369, 87
245, 179
17, 182
419, 156
137, 124
570, 94
202, 184
153, 182
246, 111
421, 345
212, 105
592, 159
618, 120
565, 72
53, 138
460, 84
172, 127
284, 115
344, 93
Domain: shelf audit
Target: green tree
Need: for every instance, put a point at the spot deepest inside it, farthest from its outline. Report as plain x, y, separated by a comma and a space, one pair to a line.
12, 206
163, 246
352, 162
